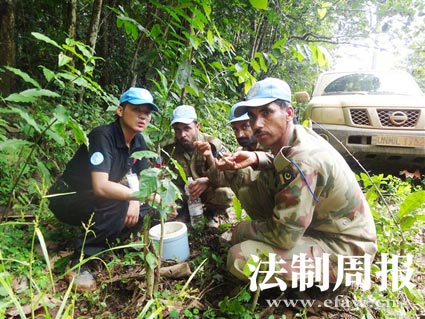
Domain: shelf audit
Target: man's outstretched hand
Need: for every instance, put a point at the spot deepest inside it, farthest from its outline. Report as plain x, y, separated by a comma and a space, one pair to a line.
238, 160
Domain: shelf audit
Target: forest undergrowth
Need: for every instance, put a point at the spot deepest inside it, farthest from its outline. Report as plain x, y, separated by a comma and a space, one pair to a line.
34, 255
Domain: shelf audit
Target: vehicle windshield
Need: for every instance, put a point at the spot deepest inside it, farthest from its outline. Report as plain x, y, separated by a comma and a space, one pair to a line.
366, 83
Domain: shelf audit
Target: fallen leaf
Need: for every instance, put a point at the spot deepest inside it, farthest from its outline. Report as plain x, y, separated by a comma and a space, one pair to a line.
415, 175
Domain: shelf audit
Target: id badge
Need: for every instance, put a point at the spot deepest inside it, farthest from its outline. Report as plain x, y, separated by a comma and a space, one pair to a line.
133, 182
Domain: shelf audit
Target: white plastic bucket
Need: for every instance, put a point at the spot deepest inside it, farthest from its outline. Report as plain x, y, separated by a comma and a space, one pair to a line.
175, 242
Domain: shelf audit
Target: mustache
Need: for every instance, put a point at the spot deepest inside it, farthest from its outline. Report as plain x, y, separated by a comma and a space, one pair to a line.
257, 132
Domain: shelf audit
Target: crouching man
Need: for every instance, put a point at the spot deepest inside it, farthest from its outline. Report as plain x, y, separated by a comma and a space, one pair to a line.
313, 205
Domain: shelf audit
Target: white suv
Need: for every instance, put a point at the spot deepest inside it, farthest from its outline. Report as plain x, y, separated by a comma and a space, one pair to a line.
378, 116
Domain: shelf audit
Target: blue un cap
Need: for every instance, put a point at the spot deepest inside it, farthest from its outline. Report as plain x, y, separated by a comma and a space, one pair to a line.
263, 92
184, 114
233, 118
138, 96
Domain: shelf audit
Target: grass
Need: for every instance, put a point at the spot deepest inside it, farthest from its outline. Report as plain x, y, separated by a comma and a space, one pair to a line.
34, 254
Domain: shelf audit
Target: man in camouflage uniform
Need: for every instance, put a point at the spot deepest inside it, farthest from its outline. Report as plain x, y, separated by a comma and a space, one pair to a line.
181, 148
311, 201
243, 132
239, 181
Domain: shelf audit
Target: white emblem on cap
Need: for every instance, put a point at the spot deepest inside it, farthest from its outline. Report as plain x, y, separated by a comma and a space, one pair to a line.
97, 158
253, 91
180, 112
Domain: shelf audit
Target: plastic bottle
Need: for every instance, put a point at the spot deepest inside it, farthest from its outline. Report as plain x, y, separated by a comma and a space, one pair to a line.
195, 207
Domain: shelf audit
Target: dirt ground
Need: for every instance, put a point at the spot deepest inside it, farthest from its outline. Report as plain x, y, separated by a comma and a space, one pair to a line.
121, 292
121, 289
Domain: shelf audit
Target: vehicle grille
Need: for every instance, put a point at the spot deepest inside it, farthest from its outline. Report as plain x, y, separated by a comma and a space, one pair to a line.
361, 117
412, 118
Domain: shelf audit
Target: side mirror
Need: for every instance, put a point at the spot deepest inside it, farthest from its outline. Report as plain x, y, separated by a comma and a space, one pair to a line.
302, 97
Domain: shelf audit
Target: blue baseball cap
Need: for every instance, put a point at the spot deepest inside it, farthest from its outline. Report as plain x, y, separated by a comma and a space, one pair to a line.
184, 114
138, 96
263, 92
233, 118
243, 117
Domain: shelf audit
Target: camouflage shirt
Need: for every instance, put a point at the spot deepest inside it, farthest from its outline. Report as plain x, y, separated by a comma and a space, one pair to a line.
194, 164
310, 192
243, 183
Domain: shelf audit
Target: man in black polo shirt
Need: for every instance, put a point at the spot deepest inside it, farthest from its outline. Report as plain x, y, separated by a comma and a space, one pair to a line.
99, 181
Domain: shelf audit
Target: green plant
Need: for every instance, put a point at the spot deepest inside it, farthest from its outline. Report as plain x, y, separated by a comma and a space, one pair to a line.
27, 265
157, 181
237, 307
39, 129
398, 208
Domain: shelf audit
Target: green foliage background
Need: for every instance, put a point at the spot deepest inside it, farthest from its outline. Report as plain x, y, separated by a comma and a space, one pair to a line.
198, 52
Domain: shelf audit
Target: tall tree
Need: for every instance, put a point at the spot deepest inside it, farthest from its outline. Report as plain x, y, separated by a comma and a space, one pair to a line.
94, 23
7, 44
72, 18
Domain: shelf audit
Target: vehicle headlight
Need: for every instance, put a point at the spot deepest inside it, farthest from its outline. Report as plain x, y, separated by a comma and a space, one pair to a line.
327, 115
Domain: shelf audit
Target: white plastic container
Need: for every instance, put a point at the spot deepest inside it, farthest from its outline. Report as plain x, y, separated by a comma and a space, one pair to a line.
175, 243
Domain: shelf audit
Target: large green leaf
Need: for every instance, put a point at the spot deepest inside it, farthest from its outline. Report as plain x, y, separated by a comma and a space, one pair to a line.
63, 60
259, 4
28, 118
58, 136
79, 134
19, 98
179, 168
48, 74
76, 79
170, 193
130, 26
46, 39
412, 202
151, 260
144, 154
193, 86
238, 208
30, 95
255, 65
207, 9
149, 182
198, 20
24, 76
61, 114
13, 145
183, 73
322, 12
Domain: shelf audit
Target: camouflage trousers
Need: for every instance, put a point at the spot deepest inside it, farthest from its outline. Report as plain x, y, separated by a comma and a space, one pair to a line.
285, 267
217, 200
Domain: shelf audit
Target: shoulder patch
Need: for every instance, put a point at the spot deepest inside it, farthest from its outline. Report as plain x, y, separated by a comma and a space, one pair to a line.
286, 176
97, 158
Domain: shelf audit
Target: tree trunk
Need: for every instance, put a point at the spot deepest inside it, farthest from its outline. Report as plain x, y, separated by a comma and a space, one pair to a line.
72, 19
7, 45
72, 24
94, 23
108, 39
93, 32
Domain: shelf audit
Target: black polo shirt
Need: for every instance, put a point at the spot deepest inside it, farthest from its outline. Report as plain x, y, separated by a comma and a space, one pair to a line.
107, 153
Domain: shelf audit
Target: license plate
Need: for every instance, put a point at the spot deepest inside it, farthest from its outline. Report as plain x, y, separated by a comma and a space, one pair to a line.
402, 141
